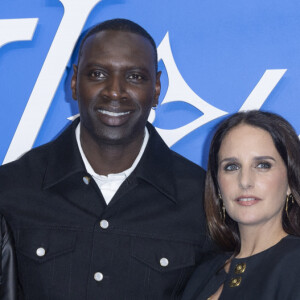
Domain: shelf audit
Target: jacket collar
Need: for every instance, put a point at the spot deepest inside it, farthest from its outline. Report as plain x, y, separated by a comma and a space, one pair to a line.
64, 158
155, 166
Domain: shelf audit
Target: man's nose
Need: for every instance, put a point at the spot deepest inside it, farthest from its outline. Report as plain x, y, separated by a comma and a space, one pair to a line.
115, 88
246, 178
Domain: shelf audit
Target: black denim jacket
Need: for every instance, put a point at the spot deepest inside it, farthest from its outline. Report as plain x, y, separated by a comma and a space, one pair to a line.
8, 274
152, 235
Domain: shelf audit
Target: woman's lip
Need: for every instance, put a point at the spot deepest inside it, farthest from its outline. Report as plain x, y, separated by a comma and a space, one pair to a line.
247, 200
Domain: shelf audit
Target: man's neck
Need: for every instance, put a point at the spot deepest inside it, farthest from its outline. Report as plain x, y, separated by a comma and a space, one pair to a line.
107, 158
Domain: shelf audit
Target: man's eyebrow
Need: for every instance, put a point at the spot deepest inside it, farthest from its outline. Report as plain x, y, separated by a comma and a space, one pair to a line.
93, 65
138, 68
143, 70
129, 68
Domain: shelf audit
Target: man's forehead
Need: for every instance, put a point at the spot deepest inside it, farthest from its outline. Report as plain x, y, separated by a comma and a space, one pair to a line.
113, 42
116, 37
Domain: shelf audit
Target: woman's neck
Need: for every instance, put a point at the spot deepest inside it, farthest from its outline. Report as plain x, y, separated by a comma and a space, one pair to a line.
255, 239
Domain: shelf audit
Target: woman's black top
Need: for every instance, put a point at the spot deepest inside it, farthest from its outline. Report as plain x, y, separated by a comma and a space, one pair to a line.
8, 275
273, 274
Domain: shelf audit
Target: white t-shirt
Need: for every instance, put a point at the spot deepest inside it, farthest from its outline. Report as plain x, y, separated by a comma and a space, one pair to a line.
109, 184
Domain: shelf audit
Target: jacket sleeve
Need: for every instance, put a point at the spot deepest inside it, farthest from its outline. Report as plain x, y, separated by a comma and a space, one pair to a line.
8, 282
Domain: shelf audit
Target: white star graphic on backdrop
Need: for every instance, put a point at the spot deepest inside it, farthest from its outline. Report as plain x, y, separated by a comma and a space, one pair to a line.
179, 90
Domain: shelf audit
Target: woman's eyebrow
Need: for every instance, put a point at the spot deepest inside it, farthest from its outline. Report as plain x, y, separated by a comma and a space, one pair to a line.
264, 158
231, 159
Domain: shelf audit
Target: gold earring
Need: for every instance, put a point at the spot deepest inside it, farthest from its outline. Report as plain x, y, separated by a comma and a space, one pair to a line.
223, 212
219, 195
288, 197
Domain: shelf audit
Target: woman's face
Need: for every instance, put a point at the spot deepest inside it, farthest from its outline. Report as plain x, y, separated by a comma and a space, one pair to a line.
252, 177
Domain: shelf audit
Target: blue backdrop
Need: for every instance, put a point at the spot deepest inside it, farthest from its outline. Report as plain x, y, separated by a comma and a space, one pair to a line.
217, 57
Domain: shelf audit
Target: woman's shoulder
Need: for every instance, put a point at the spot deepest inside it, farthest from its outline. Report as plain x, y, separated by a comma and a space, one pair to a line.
286, 254
286, 268
289, 247
290, 243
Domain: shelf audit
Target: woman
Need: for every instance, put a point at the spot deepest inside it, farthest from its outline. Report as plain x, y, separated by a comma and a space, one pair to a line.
8, 276
252, 206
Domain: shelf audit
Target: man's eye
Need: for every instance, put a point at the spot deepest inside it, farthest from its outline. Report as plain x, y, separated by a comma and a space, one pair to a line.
135, 77
97, 74
264, 165
231, 167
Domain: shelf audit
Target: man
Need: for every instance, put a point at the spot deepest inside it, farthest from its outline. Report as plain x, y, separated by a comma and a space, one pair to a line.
107, 210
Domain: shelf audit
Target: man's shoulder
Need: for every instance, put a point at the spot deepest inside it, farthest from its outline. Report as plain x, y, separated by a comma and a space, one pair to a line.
185, 166
159, 151
33, 160
36, 159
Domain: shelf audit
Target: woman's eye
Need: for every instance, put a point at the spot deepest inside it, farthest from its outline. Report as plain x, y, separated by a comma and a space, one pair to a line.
264, 165
231, 167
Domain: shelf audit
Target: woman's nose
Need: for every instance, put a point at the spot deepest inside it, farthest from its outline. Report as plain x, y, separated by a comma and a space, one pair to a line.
246, 179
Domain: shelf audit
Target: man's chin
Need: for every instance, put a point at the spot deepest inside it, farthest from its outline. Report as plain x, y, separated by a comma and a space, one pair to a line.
114, 139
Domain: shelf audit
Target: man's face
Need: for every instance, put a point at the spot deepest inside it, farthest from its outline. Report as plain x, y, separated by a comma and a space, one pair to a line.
116, 85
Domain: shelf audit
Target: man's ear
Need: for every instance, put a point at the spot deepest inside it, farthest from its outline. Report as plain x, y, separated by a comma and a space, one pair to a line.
157, 89
74, 82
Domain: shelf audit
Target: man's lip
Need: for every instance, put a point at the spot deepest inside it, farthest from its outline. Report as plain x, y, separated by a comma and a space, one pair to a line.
114, 117
113, 113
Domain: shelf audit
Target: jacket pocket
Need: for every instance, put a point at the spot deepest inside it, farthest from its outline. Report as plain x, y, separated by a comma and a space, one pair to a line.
162, 255
162, 267
45, 262
42, 245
